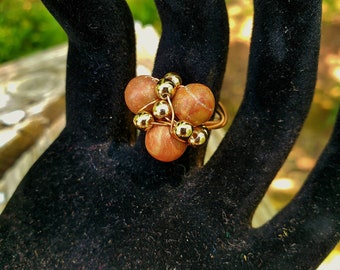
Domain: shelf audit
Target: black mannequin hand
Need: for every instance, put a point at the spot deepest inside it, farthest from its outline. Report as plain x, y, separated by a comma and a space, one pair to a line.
94, 201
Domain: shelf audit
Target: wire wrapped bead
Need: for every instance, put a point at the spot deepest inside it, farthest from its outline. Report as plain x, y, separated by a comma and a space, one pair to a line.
194, 103
174, 78
198, 137
143, 120
161, 109
139, 92
182, 129
165, 89
162, 145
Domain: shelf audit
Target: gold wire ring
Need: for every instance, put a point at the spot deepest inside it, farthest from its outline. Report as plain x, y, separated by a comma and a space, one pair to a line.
215, 124
172, 121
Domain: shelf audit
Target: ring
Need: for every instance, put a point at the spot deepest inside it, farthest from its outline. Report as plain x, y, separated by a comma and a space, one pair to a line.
173, 115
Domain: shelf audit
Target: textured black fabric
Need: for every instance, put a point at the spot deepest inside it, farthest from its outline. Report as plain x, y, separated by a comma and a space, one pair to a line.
93, 201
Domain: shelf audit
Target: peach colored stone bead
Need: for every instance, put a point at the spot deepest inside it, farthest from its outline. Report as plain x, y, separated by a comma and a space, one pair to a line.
139, 92
162, 145
194, 103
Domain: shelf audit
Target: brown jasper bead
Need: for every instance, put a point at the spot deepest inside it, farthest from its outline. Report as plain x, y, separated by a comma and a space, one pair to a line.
162, 145
194, 103
139, 92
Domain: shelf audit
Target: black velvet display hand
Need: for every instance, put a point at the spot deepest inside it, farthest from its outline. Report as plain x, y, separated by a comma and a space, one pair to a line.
97, 200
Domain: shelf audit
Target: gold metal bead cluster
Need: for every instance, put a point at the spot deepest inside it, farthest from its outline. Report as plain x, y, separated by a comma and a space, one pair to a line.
173, 115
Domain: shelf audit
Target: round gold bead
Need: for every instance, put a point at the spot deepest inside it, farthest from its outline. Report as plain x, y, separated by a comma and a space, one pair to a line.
165, 88
174, 78
182, 129
198, 137
143, 120
161, 109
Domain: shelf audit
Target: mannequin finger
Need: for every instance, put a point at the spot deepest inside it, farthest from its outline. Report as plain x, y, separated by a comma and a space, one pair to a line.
101, 61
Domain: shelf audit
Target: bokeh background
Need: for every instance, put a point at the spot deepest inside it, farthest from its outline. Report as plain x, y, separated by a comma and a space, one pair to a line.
27, 28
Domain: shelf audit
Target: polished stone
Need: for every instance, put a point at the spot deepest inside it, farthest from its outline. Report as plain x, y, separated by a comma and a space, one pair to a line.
194, 103
139, 92
162, 145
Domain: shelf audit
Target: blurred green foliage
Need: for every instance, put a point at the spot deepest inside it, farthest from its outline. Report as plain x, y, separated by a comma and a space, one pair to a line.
26, 26
145, 11
330, 10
